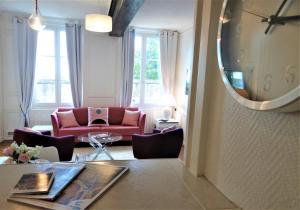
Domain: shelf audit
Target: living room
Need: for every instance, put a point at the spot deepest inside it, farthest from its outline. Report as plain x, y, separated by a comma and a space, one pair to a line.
240, 150
98, 50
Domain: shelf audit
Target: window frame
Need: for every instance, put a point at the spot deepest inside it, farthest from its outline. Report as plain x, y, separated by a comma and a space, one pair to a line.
144, 35
58, 81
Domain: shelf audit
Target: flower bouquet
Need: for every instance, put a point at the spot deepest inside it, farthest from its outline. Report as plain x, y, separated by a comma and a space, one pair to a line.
22, 153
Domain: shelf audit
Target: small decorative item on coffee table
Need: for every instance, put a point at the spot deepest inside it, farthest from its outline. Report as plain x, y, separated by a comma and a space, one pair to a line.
99, 140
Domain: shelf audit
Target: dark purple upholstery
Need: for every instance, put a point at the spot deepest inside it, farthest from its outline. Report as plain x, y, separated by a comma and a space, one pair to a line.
158, 145
64, 145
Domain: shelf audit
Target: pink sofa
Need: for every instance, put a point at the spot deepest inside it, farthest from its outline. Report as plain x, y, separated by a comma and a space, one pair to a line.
115, 117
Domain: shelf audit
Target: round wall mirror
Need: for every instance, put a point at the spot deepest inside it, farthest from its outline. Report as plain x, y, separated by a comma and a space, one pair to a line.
259, 52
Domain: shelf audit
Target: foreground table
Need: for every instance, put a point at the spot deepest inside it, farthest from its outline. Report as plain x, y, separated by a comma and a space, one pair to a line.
149, 184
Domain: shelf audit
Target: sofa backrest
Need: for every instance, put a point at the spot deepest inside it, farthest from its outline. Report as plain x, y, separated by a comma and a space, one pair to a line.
115, 114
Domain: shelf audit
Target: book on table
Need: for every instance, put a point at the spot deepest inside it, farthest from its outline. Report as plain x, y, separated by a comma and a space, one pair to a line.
92, 182
34, 183
64, 174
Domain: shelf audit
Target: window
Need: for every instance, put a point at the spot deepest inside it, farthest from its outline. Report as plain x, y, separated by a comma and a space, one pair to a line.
52, 83
147, 83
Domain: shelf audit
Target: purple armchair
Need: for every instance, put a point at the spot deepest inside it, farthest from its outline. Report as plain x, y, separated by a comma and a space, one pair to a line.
64, 145
158, 145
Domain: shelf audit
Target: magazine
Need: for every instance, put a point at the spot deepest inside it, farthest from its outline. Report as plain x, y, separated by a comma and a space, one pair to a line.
64, 174
84, 190
34, 183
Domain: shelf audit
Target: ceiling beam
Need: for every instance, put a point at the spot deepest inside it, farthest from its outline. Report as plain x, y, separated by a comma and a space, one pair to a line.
122, 12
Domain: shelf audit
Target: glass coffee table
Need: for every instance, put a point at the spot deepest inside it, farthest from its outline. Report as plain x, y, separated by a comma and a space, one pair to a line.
99, 141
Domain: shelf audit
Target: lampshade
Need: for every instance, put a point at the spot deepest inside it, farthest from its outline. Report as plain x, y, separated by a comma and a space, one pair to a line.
98, 23
35, 20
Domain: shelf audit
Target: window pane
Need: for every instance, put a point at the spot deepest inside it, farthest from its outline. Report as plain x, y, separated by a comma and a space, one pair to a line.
152, 48
44, 87
63, 43
152, 61
136, 90
45, 43
152, 70
153, 93
66, 95
137, 58
64, 69
44, 91
45, 68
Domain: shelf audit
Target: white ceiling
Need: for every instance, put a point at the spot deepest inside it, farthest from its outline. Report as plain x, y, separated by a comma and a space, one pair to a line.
70, 9
157, 14
166, 14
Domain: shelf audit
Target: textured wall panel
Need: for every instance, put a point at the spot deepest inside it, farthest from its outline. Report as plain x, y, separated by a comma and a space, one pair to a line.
252, 156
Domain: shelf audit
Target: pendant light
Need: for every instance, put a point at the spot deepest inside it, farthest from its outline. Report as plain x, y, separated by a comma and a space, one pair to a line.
35, 20
98, 23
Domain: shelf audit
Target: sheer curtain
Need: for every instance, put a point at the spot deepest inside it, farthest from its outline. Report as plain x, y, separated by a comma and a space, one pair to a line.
168, 52
127, 64
74, 49
25, 51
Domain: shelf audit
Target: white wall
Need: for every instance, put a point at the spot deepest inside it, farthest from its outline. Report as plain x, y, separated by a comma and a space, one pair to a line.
184, 63
1, 93
102, 70
101, 73
250, 156
11, 111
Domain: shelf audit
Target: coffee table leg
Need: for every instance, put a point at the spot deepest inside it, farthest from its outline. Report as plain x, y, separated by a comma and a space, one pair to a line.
99, 148
107, 153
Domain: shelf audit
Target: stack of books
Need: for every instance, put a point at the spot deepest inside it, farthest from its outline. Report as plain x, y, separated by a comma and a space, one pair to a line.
65, 185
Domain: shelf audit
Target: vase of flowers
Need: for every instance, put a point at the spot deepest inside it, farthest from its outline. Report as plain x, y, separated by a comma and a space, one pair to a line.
22, 153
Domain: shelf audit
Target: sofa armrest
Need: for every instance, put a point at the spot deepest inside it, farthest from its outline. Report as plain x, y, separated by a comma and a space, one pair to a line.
142, 120
55, 123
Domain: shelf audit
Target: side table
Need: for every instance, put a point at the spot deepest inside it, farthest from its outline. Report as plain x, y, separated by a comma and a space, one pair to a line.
161, 124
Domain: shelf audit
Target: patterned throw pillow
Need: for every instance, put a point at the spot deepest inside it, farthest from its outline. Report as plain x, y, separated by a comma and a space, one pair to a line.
97, 116
131, 118
67, 119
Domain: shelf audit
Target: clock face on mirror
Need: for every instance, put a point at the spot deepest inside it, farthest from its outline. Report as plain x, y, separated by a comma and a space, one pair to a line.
260, 47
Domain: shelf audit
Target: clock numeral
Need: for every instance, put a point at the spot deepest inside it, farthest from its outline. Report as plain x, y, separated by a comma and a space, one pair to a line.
267, 82
290, 75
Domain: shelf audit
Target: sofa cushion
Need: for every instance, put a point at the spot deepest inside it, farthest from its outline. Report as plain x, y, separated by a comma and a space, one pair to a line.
121, 129
131, 118
97, 116
67, 119
77, 131
81, 114
116, 114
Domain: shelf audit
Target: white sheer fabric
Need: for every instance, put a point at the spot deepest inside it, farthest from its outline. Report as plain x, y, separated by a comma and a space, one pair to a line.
168, 53
25, 51
74, 48
128, 62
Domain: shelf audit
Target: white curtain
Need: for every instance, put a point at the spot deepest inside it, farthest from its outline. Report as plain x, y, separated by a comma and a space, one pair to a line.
168, 53
127, 64
74, 49
25, 51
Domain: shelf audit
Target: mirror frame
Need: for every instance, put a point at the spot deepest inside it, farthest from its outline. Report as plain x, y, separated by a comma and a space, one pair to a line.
274, 104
